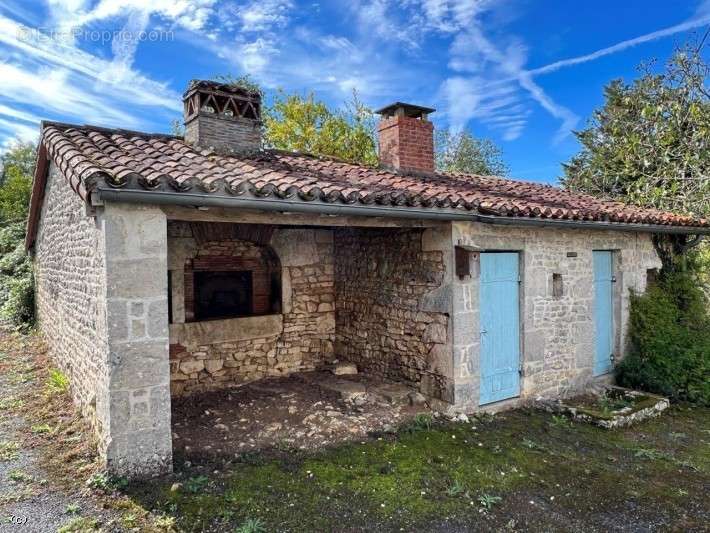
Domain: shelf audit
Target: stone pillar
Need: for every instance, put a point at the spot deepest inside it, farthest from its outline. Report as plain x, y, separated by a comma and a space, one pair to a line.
136, 405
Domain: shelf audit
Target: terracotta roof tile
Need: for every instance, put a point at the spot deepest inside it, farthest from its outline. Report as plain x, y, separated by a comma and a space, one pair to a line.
89, 156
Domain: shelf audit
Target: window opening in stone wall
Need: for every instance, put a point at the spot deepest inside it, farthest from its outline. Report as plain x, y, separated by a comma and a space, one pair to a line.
557, 286
651, 276
223, 294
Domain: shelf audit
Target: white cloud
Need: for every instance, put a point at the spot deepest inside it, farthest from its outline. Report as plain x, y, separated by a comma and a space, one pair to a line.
629, 43
191, 14
568, 118
19, 114
53, 91
263, 15
253, 57
70, 15
376, 19
385, 55
453, 15
497, 75
46, 78
498, 105
14, 132
41, 52
124, 49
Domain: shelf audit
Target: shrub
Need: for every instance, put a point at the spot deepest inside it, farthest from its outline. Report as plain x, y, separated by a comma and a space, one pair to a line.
669, 336
16, 280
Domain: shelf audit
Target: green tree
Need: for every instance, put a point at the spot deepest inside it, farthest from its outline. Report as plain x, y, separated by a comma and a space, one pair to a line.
16, 181
305, 124
16, 280
462, 152
18, 160
649, 144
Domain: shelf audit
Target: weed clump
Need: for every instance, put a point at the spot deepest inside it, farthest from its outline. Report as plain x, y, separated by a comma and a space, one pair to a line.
9, 451
251, 525
421, 422
57, 382
105, 482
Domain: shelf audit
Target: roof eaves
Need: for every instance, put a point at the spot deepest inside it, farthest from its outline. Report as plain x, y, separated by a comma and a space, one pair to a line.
319, 206
39, 182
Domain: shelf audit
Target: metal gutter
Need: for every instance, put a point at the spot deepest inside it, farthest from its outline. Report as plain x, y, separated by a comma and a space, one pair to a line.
592, 225
316, 207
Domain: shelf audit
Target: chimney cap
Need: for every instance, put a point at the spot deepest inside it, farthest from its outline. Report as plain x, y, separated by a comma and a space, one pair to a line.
407, 110
220, 87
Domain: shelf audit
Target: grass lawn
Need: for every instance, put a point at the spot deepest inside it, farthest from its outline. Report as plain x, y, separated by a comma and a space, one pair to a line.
518, 471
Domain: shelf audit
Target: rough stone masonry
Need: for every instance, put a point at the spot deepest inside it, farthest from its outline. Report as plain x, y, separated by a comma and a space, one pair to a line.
556, 329
385, 298
102, 304
298, 336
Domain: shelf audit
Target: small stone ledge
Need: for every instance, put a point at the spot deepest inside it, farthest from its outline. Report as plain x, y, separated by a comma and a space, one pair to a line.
643, 405
228, 330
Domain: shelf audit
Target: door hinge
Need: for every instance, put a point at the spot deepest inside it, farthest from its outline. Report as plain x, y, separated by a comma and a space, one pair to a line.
613, 279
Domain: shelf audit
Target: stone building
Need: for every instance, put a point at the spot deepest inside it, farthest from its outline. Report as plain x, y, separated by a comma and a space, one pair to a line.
167, 266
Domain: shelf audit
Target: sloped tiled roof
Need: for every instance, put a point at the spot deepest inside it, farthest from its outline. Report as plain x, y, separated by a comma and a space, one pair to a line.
91, 157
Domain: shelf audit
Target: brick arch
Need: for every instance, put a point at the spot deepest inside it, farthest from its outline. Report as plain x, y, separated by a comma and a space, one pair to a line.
232, 254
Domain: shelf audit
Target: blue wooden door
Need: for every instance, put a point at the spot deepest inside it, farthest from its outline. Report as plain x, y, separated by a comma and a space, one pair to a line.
603, 311
500, 327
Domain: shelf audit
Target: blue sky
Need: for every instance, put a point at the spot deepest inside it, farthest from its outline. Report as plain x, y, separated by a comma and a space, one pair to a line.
521, 72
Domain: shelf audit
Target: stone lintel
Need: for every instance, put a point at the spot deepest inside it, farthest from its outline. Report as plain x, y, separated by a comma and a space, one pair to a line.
228, 330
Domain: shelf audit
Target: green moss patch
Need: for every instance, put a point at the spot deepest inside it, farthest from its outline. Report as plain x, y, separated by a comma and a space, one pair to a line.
476, 475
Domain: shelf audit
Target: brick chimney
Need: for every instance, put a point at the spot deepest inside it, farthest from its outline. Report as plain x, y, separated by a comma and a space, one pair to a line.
406, 138
222, 116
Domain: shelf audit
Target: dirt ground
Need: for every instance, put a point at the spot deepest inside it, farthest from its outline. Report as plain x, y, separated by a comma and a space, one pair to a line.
35, 496
521, 470
285, 413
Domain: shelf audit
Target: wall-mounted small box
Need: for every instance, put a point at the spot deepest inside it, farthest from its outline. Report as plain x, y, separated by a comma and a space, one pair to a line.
463, 262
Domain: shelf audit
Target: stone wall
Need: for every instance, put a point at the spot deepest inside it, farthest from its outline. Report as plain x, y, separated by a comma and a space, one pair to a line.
557, 329
393, 305
217, 354
136, 380
101, 305
70, 279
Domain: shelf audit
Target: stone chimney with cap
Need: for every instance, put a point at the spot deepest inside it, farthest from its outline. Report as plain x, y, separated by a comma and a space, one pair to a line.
406, 138
222, 116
